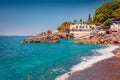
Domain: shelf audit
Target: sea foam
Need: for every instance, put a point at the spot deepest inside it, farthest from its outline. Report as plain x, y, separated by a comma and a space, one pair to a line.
99, 54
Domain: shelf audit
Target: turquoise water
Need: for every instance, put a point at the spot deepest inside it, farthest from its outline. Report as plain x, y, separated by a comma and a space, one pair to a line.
38, 61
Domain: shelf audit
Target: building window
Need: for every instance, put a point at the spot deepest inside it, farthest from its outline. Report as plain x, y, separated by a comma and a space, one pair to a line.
83, 26
76, 26
86, 27
79, 26
90, 26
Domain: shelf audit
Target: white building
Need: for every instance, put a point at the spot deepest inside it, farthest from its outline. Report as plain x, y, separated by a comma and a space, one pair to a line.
115, 24
55, 31
80, 29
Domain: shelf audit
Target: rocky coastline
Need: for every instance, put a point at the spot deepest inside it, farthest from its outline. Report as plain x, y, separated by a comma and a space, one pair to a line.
109, 38
107, 69
47, 38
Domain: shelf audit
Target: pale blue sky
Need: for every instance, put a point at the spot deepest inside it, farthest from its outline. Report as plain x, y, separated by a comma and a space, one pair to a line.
31, 17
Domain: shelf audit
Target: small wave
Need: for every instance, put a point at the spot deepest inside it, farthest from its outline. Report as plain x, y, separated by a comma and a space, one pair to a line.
59, 70
99, 54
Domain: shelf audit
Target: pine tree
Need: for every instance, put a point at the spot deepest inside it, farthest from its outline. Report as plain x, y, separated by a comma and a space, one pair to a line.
75, 21
81, 20
89, 18
89, 21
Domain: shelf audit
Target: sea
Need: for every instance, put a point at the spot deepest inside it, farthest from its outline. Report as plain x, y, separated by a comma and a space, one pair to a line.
47, 61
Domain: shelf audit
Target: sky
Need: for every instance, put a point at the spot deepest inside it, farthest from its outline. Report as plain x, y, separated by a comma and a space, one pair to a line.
31, 17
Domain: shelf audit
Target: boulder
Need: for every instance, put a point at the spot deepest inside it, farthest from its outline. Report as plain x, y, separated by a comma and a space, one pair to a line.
43, 38
113, 38
117, 55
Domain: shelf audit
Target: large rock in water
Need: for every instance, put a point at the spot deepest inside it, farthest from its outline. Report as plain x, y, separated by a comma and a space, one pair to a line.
43, 38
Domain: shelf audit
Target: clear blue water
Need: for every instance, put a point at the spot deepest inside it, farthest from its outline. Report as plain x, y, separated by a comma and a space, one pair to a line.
39, 61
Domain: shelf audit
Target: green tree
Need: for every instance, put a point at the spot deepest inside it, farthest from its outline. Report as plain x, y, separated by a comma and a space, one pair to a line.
89, 18
107, 11
118, 0
75, 21
116, 13
59, 28
89, 21
81, 20
108, 22
49, 32
64, 26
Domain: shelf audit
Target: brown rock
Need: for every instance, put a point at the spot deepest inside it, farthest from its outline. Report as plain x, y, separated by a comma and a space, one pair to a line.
117, 55
42, 38
113, 38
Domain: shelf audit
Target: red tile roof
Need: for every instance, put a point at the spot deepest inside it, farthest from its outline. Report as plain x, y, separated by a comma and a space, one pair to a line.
115, 19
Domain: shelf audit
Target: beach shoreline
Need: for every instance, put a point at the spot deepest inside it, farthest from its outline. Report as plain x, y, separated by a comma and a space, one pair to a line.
107, 69
80, 71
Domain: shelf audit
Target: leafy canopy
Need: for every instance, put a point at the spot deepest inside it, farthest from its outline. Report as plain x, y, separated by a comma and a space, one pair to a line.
107, 11
64, 26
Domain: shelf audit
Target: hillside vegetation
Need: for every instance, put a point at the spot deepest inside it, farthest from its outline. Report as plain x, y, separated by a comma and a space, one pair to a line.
107, 11
64, 26
102, 16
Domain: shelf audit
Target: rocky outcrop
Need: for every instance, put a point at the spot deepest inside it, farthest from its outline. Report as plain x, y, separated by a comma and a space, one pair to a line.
96, 38
43, 38
64, 35
48, 38
117, 55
